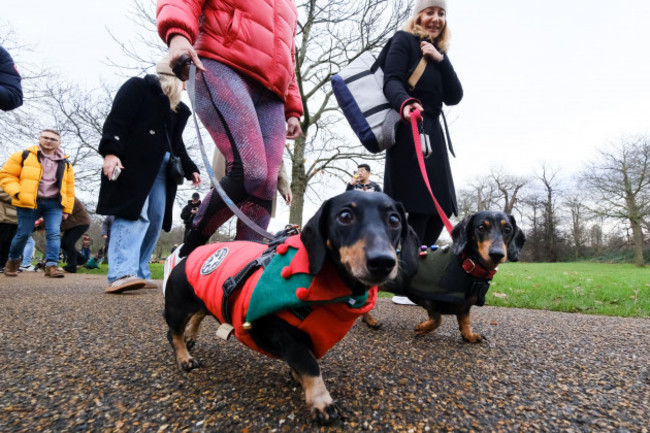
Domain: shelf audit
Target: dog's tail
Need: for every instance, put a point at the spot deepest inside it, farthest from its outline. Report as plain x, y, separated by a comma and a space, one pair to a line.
171, 261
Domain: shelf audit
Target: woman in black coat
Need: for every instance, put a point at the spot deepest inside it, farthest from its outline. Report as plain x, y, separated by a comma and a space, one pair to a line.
425, 34
147, 117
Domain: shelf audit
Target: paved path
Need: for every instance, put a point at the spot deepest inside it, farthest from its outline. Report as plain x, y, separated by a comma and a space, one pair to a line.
75, 359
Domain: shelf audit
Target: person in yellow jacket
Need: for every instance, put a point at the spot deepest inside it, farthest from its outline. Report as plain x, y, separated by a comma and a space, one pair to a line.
40, 181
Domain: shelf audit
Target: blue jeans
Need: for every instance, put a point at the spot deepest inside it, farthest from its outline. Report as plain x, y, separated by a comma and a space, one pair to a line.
133, 242
28, 252
51, 211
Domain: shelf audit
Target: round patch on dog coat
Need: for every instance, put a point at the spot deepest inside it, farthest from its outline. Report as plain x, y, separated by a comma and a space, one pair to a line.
214, 261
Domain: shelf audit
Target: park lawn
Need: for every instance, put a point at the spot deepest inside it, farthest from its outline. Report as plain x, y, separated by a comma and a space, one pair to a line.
592, 288
580, 287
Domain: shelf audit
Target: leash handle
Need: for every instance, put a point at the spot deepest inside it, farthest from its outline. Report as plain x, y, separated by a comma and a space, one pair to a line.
416, 117
191, 91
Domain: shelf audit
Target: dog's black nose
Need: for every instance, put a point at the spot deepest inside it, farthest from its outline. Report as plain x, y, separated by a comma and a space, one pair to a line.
497, 255
381, 264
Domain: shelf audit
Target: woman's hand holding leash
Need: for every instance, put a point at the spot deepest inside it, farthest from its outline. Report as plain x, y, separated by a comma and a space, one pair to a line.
181, 53
411, 108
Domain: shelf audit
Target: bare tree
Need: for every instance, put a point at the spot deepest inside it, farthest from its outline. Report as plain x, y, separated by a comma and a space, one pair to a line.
578, 209
509, 187
619, 182
549, 180
331, 34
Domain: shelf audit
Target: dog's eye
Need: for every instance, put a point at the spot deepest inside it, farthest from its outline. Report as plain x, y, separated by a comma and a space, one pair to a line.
482, 228
507, 230
394, 221
346, 217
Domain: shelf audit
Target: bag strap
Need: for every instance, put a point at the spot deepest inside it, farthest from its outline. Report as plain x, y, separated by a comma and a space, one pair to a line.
191, 91
416, 117
417, 73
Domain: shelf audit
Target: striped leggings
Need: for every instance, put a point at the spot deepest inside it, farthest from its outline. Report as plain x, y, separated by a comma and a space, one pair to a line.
246, 122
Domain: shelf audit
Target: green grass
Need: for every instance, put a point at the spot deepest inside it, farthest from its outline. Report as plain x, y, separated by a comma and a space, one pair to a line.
590, 288
593, 288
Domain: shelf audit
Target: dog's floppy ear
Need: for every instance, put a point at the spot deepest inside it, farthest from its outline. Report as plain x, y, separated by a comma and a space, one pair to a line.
459, 235
314, 238
517, 242
409, 253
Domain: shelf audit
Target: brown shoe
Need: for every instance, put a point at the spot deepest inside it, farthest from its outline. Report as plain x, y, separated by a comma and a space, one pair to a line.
127, 282
11, 268
150, 284
53, 271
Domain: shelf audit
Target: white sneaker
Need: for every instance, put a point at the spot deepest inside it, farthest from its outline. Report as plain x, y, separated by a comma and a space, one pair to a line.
402, 300
28, 268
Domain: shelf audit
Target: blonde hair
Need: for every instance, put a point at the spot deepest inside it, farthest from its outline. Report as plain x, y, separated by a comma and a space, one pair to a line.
441, 42
173, 88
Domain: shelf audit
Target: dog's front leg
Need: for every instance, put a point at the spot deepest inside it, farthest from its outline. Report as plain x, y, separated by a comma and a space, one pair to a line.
321, 406
370, 321
466, 330
294, 346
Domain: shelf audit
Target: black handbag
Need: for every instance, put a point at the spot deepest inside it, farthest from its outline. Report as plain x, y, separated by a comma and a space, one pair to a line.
175, 171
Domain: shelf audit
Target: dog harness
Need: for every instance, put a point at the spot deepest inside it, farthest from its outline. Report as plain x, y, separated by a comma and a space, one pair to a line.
276, 281
444, 277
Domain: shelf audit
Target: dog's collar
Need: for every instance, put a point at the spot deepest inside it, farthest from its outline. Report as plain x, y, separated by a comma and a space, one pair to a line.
475, 269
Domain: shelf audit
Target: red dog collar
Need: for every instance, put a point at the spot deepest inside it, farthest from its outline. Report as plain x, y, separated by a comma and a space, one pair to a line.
475, 269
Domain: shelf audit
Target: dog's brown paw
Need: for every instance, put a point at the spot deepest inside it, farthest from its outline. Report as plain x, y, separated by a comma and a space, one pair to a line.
473, 338
370, 321
326, 415
424, 328
189, 364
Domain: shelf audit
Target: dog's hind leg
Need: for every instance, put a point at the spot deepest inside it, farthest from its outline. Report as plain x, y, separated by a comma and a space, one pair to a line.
466, 330
192, 328
181, 306
294, 346
428, 325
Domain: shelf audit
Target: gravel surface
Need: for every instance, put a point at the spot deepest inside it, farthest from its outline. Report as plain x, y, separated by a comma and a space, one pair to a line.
75, 359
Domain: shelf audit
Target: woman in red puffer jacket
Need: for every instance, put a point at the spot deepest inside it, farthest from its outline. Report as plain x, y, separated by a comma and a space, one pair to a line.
245, 92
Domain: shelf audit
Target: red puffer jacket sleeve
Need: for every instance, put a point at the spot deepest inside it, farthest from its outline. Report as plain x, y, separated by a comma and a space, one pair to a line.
178, 17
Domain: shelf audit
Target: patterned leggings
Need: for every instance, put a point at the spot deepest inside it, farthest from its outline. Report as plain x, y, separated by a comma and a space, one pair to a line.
246, 122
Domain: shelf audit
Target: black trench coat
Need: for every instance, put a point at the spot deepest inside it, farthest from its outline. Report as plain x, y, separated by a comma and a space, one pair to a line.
439, 84
135, 131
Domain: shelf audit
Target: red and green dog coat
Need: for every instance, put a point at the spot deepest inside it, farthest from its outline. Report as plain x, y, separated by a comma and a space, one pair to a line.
282, 287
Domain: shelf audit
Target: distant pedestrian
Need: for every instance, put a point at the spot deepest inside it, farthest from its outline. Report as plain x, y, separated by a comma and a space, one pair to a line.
189, 211
73, 228
361, 180
8, 226
142, 132
40, 181
86, 243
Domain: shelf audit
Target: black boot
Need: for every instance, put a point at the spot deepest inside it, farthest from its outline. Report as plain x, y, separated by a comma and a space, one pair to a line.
193, 240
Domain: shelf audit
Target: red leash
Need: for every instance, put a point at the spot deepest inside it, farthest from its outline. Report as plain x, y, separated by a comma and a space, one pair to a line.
416, 117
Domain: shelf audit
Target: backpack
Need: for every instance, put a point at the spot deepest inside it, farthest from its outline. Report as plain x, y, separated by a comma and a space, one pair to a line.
359, 91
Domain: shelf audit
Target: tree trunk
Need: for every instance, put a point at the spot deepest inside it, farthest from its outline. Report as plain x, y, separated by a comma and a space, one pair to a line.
298, 181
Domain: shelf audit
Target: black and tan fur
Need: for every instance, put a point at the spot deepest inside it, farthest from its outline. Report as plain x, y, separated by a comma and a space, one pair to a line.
488, 239
359, 233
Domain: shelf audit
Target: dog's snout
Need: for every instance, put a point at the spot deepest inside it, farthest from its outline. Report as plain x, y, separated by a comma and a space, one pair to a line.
381, 264
497, 254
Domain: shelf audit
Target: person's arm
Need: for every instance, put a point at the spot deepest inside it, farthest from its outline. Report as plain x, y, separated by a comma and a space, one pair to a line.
452, 91
396, 71
11, 89
10, 174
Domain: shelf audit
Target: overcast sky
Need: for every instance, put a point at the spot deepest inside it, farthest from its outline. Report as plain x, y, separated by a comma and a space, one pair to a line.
548, 81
